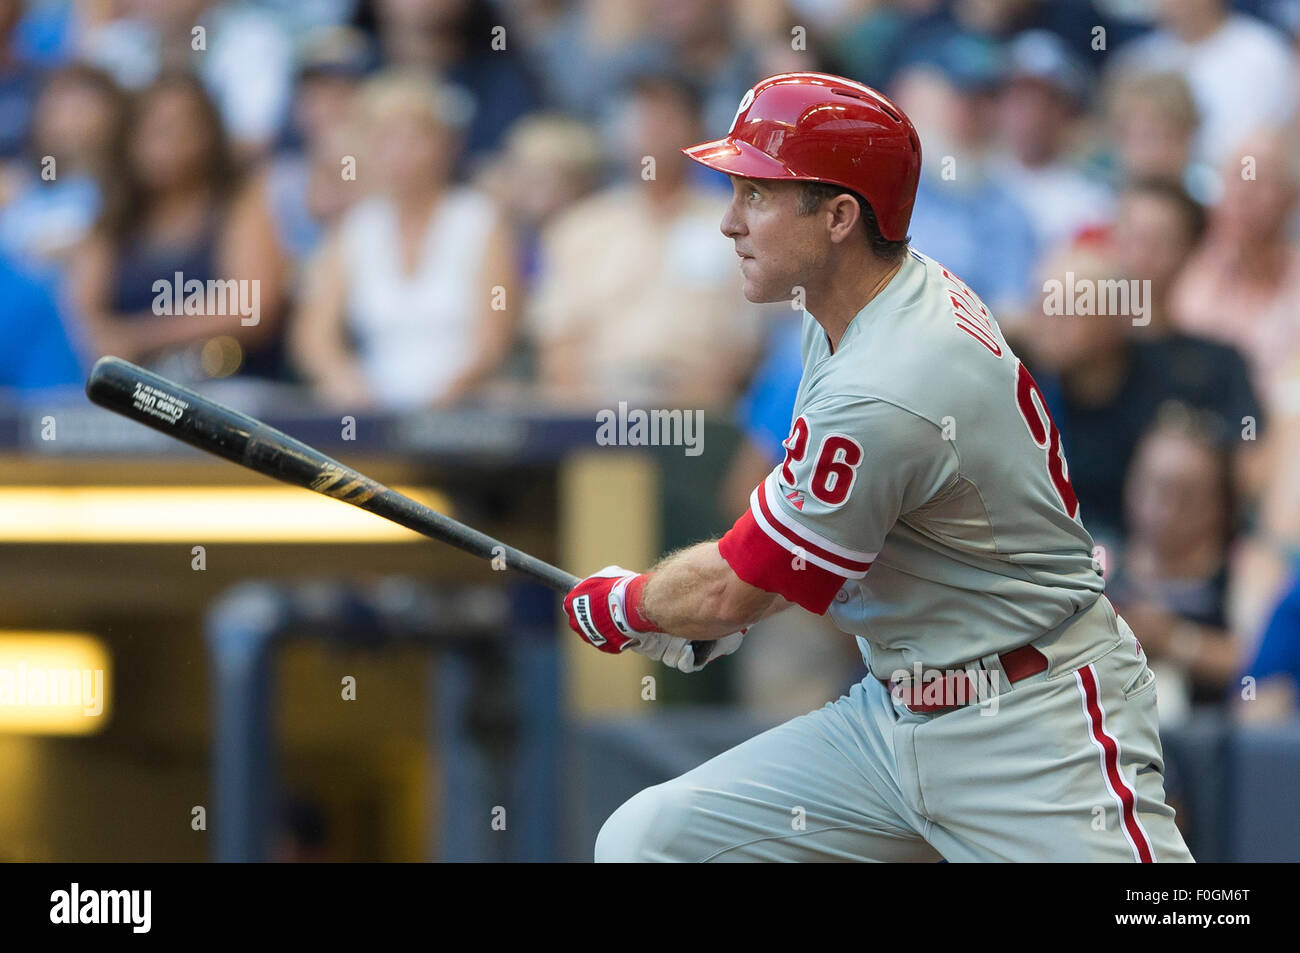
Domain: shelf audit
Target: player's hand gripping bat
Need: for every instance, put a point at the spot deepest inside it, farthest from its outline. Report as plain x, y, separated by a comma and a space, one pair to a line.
156, 402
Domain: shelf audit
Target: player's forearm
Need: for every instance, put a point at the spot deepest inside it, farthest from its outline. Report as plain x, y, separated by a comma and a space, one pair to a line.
694, 594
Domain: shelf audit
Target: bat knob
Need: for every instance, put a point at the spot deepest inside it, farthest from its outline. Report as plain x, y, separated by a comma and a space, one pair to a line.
703, 649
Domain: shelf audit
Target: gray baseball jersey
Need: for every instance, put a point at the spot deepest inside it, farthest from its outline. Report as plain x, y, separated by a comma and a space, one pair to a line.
924, 499
925, 502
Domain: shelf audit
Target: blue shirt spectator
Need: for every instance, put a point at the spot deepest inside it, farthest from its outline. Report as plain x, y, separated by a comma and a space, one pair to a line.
980, 234
44, 221
37, 354
764, 412
18, 89
46, 35
1279, 649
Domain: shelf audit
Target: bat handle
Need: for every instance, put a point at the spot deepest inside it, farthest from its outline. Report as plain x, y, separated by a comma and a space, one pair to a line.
552, 577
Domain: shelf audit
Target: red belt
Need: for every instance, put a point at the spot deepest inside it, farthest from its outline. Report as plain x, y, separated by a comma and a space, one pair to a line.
1018, 664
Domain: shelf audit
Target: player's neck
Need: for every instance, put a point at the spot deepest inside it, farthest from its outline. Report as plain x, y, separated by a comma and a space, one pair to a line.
847, 288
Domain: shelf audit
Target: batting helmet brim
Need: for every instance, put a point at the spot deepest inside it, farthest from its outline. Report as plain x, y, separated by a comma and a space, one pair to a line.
739, 158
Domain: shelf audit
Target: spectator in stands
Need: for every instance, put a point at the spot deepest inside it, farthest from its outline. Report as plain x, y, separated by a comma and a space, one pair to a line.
871, 43
466, 43
1270, 556
584, 48
243, 56
1152, 120
1241, 71
45, 35
639, 298
1243, 284
701, 39
304, 189
1074, 22
302, 19
1276, 666
879, 37
1104, 388
1037, 112
168, 213
775, 49
1171, 580
419, 273
963, 217
764, 412
1157, 227
331, 65
19, 83
549, 163
55, 199
38, 352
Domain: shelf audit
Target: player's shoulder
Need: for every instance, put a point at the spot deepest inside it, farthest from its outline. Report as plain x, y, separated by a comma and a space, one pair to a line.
920, 309
927, 347
883, 420
932, 291
927, 342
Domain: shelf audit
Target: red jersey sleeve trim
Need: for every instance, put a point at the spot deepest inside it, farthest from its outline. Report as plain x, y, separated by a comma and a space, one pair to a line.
762, 562
787, 532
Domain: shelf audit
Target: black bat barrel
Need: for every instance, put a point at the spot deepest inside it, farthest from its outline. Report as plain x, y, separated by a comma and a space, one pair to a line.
182, 414
179, 412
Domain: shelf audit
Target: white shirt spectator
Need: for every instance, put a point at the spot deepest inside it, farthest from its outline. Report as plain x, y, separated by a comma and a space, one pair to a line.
416, 330
1059, 199
1242, 76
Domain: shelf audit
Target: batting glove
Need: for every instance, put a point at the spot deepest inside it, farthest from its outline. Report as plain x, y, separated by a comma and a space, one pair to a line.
685, 655
605, 609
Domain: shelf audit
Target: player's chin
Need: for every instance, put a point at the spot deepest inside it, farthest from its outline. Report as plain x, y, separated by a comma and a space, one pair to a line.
757, 291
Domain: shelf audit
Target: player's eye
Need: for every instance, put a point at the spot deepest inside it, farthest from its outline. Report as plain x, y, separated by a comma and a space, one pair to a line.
754, 193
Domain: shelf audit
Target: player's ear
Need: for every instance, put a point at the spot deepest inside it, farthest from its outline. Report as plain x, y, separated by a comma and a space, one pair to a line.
842, 214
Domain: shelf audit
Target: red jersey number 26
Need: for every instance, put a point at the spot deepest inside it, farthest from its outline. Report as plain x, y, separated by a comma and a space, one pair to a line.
838, 459
1033, 408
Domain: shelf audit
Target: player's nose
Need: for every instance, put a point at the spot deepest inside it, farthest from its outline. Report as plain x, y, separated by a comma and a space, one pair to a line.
732, 226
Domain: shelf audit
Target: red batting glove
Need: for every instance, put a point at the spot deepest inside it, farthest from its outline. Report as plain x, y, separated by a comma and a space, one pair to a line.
605, 609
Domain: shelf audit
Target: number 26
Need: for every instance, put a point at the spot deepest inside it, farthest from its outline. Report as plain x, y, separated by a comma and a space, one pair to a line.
838, 459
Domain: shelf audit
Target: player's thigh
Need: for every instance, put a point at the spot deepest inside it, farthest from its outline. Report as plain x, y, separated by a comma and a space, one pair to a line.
1066, 769
817, 788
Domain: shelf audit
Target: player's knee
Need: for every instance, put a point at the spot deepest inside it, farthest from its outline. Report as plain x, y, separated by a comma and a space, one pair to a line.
642, 829
623, 838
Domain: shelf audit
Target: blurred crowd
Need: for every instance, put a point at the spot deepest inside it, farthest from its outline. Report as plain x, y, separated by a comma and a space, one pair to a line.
437, 201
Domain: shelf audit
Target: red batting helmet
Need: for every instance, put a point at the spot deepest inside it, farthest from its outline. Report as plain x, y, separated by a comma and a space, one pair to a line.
815, 127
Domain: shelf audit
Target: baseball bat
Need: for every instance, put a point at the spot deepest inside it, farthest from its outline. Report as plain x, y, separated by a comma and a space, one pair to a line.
179, 412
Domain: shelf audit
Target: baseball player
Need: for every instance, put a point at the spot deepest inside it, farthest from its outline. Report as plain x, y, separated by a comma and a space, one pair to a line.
924, 502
